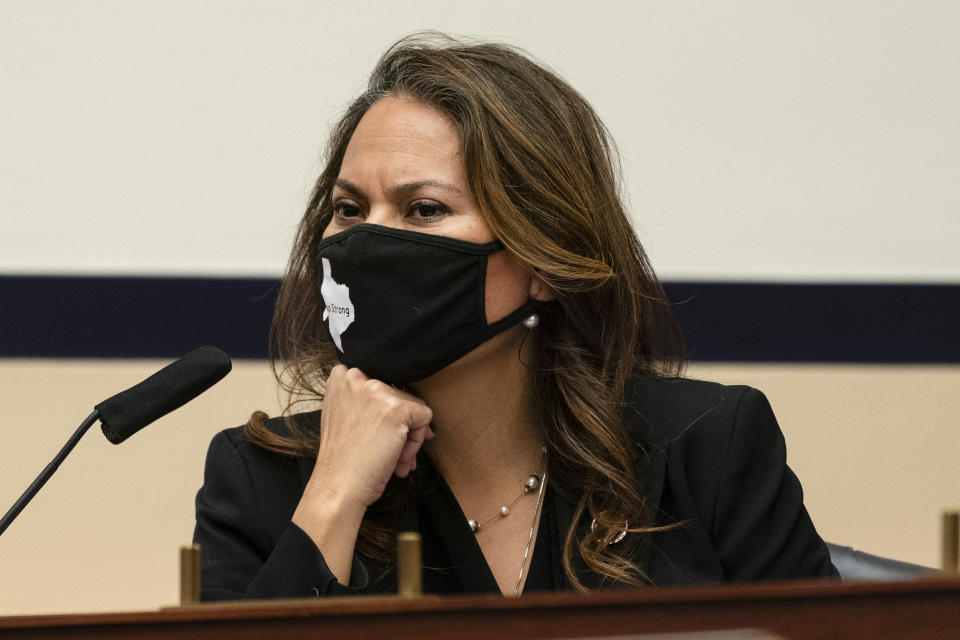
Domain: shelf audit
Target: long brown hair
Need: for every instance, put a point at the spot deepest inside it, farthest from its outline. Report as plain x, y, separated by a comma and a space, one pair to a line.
546, 177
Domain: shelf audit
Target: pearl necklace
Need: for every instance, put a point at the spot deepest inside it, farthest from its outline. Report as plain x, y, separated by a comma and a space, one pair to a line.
532, 484
533, 527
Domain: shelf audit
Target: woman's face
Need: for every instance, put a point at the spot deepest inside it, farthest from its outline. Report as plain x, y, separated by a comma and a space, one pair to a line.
403, 169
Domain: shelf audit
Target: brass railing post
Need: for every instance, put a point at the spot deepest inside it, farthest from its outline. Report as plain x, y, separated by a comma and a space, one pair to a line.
409, 569
950, 556
189, 574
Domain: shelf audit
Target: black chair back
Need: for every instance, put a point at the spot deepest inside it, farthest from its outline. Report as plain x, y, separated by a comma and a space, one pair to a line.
857, 565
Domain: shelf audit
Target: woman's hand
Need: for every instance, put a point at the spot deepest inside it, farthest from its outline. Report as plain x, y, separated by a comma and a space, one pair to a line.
368, 431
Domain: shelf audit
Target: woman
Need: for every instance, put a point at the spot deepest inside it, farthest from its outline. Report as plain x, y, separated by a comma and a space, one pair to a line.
494, 358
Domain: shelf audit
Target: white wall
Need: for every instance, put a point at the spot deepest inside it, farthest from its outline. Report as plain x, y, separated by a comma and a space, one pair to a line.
762, 140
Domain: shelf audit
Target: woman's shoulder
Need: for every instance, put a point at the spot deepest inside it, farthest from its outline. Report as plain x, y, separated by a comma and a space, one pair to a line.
661, 410
716, 461
240, 469
285, 426
265, 446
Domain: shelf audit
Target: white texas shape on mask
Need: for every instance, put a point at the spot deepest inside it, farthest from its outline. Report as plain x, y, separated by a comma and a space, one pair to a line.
338, 307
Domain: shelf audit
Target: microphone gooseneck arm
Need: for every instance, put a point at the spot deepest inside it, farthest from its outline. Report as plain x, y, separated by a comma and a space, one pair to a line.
47, 472
129, 411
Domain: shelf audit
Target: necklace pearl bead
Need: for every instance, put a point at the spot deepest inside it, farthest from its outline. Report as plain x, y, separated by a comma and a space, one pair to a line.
532, 484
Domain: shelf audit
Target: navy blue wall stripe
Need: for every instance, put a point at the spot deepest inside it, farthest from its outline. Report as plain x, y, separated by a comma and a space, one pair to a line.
150, 317
749, 322
132, 317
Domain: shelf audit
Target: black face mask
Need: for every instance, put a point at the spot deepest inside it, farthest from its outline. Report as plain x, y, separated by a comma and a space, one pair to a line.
402, 305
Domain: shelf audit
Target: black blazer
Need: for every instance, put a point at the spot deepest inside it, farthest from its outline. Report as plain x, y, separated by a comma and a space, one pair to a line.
712, 458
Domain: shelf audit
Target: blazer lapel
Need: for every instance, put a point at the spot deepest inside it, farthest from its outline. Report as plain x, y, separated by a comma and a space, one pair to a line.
652, 473
565, 509
652, 468
650, 447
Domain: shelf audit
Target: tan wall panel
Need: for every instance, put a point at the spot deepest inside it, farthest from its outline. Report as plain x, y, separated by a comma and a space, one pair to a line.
104, 533
874, 446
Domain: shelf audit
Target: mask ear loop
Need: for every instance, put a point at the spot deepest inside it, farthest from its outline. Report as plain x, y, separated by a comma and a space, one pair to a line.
529, 323
523, 313
526, 313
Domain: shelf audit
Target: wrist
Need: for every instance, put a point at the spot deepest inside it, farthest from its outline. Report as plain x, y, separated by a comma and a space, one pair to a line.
323, 514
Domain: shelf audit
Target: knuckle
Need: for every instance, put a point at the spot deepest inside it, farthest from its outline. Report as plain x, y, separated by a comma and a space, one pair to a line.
372, 386
392, 404
354, 374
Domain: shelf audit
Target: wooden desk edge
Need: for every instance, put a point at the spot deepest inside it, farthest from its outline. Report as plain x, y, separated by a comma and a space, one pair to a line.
379, 605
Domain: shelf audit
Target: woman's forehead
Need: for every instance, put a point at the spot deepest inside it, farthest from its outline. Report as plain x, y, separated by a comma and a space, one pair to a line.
401, 123
407, 139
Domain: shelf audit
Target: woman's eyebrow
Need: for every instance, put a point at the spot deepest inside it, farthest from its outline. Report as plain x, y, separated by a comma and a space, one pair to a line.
400, 189
411, 187
348, 186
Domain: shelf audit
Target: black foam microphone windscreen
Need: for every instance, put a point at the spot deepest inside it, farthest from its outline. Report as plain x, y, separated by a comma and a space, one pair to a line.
178, 383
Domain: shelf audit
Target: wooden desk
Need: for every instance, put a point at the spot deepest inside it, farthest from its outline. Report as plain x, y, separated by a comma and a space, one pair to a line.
928, 609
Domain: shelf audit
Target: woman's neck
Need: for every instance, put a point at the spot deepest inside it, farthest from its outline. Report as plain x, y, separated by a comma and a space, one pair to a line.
486, 420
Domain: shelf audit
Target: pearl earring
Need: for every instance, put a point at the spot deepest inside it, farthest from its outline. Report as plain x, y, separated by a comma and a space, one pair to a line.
531, 321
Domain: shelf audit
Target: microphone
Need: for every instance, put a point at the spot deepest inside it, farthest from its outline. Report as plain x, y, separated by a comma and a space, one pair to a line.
175, 385
124, 414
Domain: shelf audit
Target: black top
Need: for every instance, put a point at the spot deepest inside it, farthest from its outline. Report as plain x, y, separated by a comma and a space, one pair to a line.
711, 457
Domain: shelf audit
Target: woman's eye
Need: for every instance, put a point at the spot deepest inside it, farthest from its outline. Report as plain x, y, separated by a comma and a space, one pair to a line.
346, 210
428, 209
